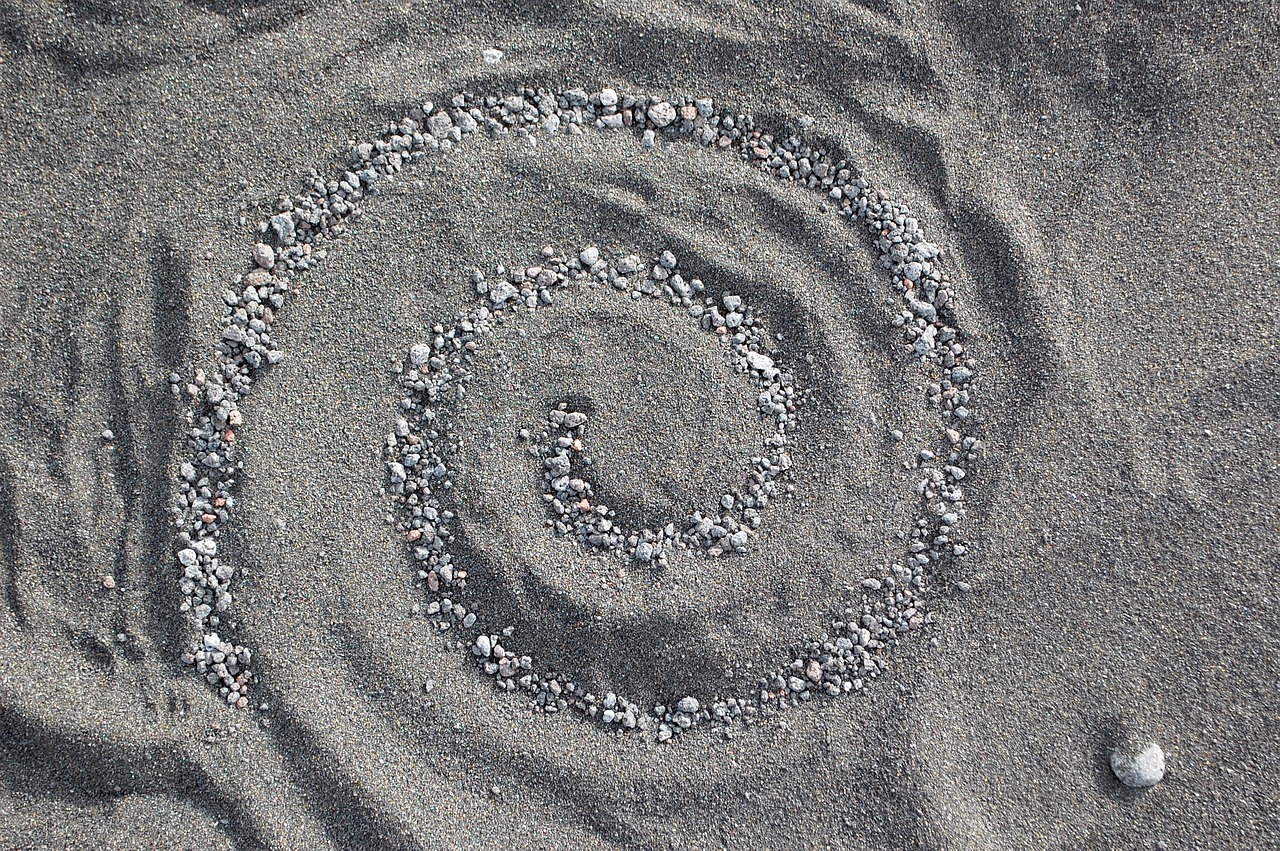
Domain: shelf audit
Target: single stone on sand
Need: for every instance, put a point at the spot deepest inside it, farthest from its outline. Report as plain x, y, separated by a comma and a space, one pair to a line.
1139, 769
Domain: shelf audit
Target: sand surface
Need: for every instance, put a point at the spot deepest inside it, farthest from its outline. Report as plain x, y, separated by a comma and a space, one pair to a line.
1102, 178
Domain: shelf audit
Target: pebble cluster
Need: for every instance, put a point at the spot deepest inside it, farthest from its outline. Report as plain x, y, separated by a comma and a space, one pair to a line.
886, 605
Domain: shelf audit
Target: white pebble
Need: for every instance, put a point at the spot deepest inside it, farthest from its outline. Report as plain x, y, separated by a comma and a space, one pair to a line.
1140, 770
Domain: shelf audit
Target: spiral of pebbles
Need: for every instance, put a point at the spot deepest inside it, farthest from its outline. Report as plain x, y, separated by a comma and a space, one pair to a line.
567, 487
291, 241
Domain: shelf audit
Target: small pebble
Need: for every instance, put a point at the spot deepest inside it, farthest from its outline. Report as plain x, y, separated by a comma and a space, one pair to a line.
264, 255
662, 114
1139, 769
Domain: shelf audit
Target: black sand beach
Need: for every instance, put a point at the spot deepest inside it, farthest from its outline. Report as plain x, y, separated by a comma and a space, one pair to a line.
1101, 179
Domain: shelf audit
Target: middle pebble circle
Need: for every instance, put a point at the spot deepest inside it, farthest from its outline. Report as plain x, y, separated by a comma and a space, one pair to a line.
656, 430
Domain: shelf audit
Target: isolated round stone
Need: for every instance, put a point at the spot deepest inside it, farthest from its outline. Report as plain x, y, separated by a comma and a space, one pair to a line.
1141, 769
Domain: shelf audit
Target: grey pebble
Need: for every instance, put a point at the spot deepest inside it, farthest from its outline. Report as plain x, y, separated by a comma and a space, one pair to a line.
502, 292
282, 224
662, 114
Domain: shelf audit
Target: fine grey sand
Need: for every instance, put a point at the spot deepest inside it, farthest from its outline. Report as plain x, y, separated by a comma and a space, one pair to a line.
1102, 180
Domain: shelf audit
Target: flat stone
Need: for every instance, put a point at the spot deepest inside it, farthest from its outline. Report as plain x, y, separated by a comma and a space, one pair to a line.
282, 224
759, 362
813, 671
438, 125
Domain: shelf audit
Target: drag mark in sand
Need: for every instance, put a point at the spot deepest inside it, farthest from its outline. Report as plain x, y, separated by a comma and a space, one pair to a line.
852, 652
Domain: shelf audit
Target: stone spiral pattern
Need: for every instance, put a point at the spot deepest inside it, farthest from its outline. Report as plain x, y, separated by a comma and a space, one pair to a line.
290, 242
423, 457
567, 487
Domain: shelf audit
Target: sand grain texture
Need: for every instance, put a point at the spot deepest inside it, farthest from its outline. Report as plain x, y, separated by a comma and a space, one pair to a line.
1103, 181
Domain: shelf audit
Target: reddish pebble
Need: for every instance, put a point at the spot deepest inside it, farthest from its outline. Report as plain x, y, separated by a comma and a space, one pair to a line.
108, 581
688, 112
413, 535
209, 519
242, 703
584, 505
